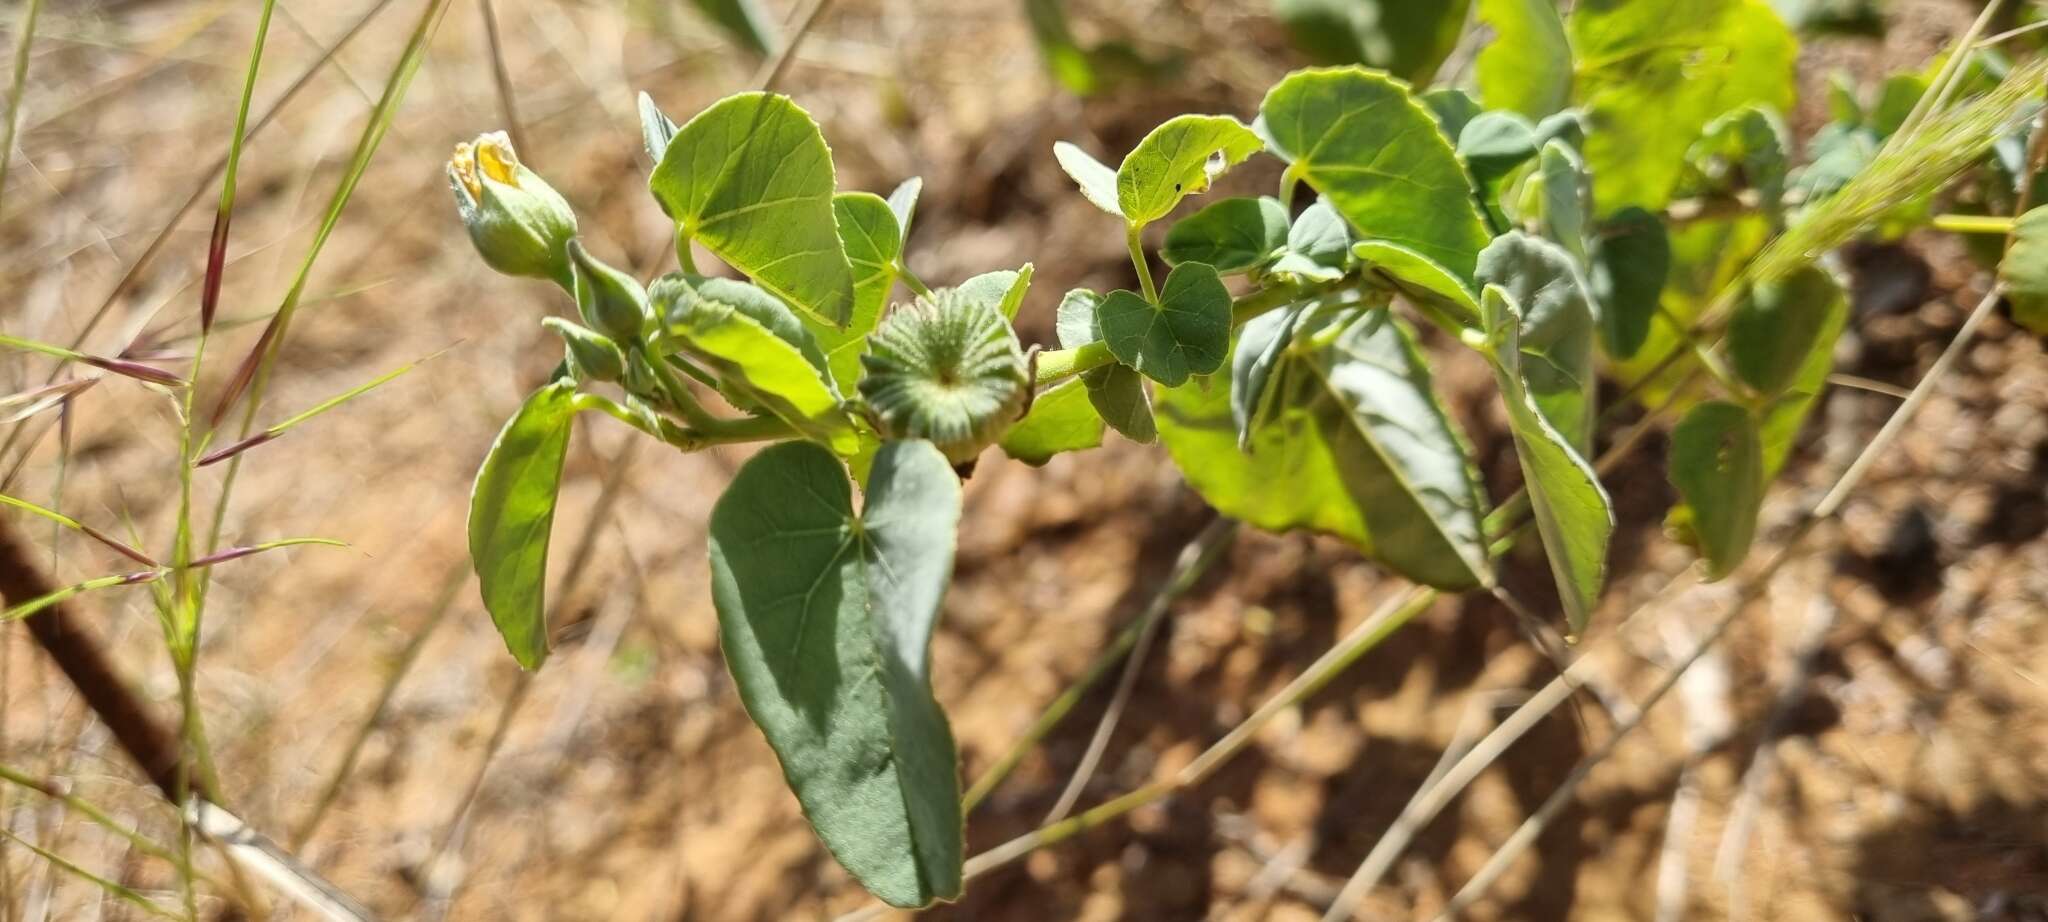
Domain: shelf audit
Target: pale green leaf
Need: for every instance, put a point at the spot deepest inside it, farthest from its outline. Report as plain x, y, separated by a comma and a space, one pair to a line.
1098, 182
1261, 344
826, 619
1061, 420
1178, 159
1187, 332
1377, 155
1234, 235
903, 202
2024, 270
1574, 517
1527, 67
1717, 465
1116, 392
1003, 288
1651, 75
511, 513
1428, 285
751, 179
1783, 417
874, 244
1494, 146
1453, 108
758, 367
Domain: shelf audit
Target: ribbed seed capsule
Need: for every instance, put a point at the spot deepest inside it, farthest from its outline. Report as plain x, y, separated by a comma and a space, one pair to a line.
946, 368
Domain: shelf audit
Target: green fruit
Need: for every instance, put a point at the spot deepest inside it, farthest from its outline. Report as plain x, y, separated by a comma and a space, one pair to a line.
946, 368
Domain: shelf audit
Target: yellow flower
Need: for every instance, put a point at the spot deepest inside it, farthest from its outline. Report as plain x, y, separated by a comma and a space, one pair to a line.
520, 224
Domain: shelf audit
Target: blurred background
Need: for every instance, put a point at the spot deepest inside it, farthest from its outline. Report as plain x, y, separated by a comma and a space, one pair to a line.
1891, 682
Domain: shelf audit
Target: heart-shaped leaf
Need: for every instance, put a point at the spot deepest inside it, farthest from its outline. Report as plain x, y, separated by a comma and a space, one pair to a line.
1116, 392
1783, 416
751, 179
511, 513
1376, 154
1717, 464
826, 620
1573, 514
1234, 235
1187, 332
1178, 159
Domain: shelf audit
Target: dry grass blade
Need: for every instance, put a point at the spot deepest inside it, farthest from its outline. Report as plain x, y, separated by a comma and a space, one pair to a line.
1195, 559
24, 39
1946, 144
24, 404
112, 889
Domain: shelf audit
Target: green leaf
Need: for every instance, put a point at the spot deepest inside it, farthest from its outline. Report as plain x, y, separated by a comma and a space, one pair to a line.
511, 513
1234, 235
1061, 419
1408, 466
1003, 288
1187, 332
1423, 281
1556, 335
1118, 394
826, 620
1494, 146
1354, 444
874, 243
1453, 108
1743, 149
1098, 183
745, 21
1573, 514
1318, 245
1178, 159
759, 366
1783, 417
1777, 325
1717, 465
1630, 260
656, 129
1116, 391
903, 202
1407, 37
751, 179
1261, 344
1527, 68
2024, 270
1651, 75
1376, 154
1567, 197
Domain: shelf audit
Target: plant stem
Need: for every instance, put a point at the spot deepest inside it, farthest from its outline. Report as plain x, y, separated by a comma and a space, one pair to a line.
1973, 223
1138, 262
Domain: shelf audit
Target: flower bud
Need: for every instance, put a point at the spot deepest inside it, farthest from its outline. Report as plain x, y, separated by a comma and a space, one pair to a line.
518, 222
612, 302
592, 355
947, 368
